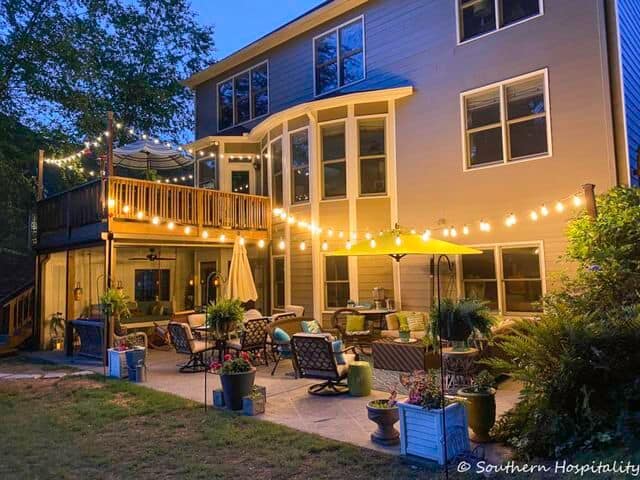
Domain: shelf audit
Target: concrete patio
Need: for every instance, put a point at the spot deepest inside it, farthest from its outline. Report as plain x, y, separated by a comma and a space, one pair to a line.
342, 418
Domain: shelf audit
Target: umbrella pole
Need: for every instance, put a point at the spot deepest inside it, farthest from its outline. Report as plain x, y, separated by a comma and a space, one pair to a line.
442, 373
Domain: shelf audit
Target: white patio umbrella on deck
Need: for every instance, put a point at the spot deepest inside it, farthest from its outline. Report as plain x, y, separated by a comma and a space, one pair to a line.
240, 284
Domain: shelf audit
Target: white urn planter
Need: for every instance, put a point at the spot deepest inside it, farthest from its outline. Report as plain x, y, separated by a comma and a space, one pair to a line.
421, 431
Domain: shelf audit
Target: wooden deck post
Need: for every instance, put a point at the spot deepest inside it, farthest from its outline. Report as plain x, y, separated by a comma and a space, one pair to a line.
590, 199
40, 173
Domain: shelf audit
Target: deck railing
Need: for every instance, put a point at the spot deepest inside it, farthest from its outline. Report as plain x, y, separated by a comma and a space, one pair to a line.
186, 205
16, 318
125, 197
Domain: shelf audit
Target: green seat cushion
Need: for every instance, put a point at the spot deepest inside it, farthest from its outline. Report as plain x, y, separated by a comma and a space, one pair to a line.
355, 323
311, 326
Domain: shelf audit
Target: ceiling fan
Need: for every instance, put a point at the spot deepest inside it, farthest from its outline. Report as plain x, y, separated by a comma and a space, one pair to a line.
152, 256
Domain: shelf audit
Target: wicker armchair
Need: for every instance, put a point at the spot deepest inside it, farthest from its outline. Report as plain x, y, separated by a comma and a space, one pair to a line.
314, 357
184, 342
339, 322
253, 338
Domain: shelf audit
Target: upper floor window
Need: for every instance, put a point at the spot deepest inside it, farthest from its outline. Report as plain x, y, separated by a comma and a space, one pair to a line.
507, 121
276, 173
372, 156
243, 97
477, 17
339, 57
334, 163
300, 166
508, 278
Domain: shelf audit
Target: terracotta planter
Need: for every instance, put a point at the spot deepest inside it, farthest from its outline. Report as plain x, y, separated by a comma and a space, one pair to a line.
481, 411
385, 418
235, 386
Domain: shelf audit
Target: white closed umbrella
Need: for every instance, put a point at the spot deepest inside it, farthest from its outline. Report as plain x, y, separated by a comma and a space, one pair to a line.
240, 284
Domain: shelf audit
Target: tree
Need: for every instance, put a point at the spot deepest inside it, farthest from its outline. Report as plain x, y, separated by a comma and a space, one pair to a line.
65, 63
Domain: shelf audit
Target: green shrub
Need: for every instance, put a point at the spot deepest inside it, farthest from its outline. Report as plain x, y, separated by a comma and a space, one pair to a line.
580, 361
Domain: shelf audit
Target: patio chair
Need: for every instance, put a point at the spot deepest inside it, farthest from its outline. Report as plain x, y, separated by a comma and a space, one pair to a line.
314, 358
298, 310
339, 322
282, 350
253, 338
184, 342
251, 314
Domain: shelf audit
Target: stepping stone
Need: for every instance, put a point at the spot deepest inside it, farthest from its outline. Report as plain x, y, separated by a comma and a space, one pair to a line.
54, 375
24, 376
82, 373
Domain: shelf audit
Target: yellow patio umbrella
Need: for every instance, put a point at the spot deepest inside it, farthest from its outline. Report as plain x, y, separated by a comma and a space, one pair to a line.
397, 244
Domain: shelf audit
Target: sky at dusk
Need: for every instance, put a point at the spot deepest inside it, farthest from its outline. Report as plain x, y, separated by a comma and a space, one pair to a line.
240, 22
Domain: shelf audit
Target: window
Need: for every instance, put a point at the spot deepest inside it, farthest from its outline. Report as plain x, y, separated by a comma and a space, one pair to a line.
299, 166
243, 97
508, 278
507, 122
339, 57
372, 156
278, 282
208, 173
336, 282
477, 17
334, 164
276, 173
152, 285
240, 181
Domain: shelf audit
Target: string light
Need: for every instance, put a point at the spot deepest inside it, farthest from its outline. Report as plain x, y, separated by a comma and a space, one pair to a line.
155, 220
222, 238
171, 225
426, 235
261, 243
281, 245
367, 236
241, 241
485, 226
205, 234
576, 201
348, 245
140, 215
303, 245
330, 232
372, 243
533, 215
126, 209
341, 234
559, 207
111, 203
398, 240
511, 220
465, 230
445, 232
187, 230
453, 232
325, 246
544, 211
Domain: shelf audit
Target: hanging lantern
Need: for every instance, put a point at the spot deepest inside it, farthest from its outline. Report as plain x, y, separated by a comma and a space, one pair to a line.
77, 292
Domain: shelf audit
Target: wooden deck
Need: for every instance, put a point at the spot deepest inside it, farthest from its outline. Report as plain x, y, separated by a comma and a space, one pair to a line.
146, 210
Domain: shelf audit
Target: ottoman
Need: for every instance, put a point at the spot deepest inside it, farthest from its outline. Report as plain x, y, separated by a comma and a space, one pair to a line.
360, 379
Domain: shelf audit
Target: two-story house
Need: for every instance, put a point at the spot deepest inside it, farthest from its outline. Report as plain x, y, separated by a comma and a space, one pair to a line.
471, 118
474, 121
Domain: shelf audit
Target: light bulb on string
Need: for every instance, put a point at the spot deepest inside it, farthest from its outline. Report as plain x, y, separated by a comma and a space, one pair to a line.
291, 220
348, 245
222, 238
576, 201
453, 232
187, 230
559, 207
465, 230
340, 234
533, 216
282, 245
367, 236
445, 232
426, 235
325, 246
140, 215
330, 232
205, 234
171, 225
303, 245
261, 243
126, 209
511, 220
544, 211
155, 220
372, 243
398, 240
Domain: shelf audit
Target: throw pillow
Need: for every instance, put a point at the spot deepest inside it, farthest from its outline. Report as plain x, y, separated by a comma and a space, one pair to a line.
280, 336
311, 326
403, 324
415, 322
392, 322
337, 352
355, 323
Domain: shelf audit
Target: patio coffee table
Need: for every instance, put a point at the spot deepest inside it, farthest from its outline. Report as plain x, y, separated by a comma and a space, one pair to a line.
401, 357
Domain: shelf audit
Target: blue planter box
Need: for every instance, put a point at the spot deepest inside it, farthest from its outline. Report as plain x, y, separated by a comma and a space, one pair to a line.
421, 431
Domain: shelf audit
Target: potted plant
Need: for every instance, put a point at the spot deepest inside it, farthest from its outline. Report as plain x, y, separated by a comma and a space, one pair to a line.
384, 413
56, 327
254, 403
421, 422
459, 319
404, 332
236, 376
225, 316
481, 405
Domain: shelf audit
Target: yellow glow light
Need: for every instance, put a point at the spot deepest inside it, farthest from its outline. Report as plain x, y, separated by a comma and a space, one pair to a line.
155, 220
241, 240
303, 245
559, 207
171, 225
576, 201
282, 245
367, 236
261, 243
372, 243
205, 234
222, 237
325, 246
126, 209
544, 211
330, 232
277, 211
140, 215
340, 234
445, 232
465, 230
426, 235
534, 216
398, 241
291, 220
348, 245
453, 232
111, 203
187, 230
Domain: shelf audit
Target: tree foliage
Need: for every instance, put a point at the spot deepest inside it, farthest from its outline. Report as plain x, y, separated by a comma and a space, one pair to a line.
65, 63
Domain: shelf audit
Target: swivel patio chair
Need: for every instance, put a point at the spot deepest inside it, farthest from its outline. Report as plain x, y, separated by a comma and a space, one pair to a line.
184, 342
314, 357
253, 338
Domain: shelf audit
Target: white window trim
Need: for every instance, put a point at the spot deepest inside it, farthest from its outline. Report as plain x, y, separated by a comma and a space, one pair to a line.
273, 279
497, 256
387, 139
290, 164
325, 301
498, 28
504, 122
233, 89
323, 197
364, 56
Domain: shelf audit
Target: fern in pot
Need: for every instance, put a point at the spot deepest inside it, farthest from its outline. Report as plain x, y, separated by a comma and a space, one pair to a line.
461, 318
225, 316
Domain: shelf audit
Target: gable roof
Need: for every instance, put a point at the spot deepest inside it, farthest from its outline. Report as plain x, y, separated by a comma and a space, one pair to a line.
321, 13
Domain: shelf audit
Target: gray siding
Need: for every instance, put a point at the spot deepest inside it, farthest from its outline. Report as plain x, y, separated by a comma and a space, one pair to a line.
629, 30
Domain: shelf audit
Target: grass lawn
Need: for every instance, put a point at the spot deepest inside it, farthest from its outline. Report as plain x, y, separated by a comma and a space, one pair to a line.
91, 428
